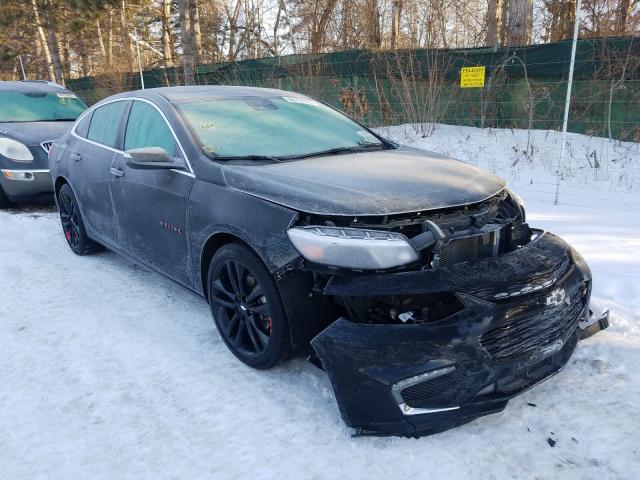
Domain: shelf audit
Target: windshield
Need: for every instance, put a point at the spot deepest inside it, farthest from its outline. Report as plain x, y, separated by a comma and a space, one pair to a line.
39, 107
276, 127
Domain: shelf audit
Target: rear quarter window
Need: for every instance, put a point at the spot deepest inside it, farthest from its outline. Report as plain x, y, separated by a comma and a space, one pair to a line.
82, 128
105, 122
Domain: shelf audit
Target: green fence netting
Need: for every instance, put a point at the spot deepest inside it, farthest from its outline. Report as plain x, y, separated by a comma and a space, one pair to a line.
525, 87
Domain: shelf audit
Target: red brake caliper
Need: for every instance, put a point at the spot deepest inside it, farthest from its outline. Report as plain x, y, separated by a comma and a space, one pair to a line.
68, 235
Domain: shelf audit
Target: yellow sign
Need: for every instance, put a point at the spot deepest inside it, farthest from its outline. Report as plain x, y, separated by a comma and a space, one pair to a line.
472, 77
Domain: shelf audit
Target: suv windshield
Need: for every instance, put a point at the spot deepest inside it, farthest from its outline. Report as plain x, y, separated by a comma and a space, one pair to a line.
273, 127
39, 107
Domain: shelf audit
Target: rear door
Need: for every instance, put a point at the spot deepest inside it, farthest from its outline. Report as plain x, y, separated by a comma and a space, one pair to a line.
150, 205
90, 158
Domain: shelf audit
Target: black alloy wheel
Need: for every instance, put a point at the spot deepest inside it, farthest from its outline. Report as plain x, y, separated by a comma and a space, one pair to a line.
72, 224
247, 308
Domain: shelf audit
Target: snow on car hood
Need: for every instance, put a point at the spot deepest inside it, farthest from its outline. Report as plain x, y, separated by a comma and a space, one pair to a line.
33, 133
369, 183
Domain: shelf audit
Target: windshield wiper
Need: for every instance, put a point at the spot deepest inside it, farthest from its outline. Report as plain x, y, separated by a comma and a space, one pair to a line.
56, 120
248, 157
335, 151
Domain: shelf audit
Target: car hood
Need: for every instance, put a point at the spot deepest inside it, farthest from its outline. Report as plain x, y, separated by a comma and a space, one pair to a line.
369, 183
33, 133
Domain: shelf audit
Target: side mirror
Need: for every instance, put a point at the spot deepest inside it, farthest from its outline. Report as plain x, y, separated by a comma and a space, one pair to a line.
149, 158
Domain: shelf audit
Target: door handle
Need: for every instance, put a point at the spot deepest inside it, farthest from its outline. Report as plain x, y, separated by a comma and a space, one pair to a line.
116, 172
75, 156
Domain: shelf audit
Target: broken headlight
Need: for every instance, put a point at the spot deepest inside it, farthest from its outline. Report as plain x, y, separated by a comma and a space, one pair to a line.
354, 248
519, 203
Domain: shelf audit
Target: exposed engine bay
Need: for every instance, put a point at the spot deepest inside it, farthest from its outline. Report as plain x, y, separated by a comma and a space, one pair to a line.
442, 239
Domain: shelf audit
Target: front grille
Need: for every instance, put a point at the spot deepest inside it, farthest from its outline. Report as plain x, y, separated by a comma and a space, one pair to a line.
46, 146
433, 393
526, 333
538, 372
466, 249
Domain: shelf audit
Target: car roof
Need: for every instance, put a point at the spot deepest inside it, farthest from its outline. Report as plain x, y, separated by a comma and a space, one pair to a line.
199, 92
31, 86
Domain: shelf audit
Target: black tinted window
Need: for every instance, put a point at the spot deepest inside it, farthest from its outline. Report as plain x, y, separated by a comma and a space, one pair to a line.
105, 122
83, 126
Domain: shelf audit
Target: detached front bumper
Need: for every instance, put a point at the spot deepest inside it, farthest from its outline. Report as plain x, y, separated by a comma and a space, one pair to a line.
24, 183
520, 324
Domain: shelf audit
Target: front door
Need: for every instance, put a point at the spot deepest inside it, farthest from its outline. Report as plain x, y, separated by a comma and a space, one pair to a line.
151, 205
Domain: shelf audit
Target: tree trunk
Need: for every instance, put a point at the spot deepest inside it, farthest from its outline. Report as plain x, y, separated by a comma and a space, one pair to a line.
131, 49
109, 35
494, 12
563, 16
194, 18
167, 52
503, 21
319, 30
43, 40
519, 22
188, 59
233, 30
623, 15
374, 37
103, 49
396, 14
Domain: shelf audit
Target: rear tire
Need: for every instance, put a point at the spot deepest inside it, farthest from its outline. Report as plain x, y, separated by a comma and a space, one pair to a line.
4, 200
247, 308
73, 225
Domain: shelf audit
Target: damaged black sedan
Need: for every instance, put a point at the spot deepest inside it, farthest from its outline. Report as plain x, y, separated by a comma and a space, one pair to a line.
411, 278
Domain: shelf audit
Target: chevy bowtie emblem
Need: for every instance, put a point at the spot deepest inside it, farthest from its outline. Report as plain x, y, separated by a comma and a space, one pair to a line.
556, 297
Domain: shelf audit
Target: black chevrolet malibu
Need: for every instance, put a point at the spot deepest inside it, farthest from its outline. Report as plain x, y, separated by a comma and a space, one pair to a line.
32, 115
413, 279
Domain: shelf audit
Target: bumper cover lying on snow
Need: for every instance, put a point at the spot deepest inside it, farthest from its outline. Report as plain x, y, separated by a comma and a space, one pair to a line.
520, 324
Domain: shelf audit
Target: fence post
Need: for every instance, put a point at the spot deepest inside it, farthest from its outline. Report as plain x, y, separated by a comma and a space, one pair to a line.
576, 28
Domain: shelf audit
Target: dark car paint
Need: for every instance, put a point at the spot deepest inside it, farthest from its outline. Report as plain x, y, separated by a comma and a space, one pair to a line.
167, 219
31, 134
384, 182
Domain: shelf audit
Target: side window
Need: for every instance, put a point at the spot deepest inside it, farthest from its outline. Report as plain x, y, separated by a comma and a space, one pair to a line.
147, 128
105, 122
82, 129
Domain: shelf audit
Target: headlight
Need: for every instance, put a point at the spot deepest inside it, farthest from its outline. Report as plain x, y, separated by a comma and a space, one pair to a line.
352, 247
14, 150
519, 202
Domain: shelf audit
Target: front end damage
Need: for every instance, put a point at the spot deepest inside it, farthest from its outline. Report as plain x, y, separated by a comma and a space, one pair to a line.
489, 309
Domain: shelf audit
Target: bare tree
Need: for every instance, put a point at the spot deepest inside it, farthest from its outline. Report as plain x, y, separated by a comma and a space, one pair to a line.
396, 15
43, 40
494, 13
519, 22
188, 46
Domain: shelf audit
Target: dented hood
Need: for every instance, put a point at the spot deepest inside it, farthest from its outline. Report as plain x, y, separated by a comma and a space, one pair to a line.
369, 183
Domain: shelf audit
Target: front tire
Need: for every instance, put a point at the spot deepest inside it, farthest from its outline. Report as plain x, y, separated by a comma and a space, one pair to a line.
247, 308
72, 224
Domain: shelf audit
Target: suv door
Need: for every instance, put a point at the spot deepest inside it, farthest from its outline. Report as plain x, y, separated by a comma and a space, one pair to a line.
151, 205
90, 158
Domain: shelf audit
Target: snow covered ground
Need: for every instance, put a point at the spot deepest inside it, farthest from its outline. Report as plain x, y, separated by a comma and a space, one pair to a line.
110, 371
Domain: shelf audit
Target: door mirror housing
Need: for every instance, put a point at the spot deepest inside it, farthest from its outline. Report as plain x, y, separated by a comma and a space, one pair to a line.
152, 158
